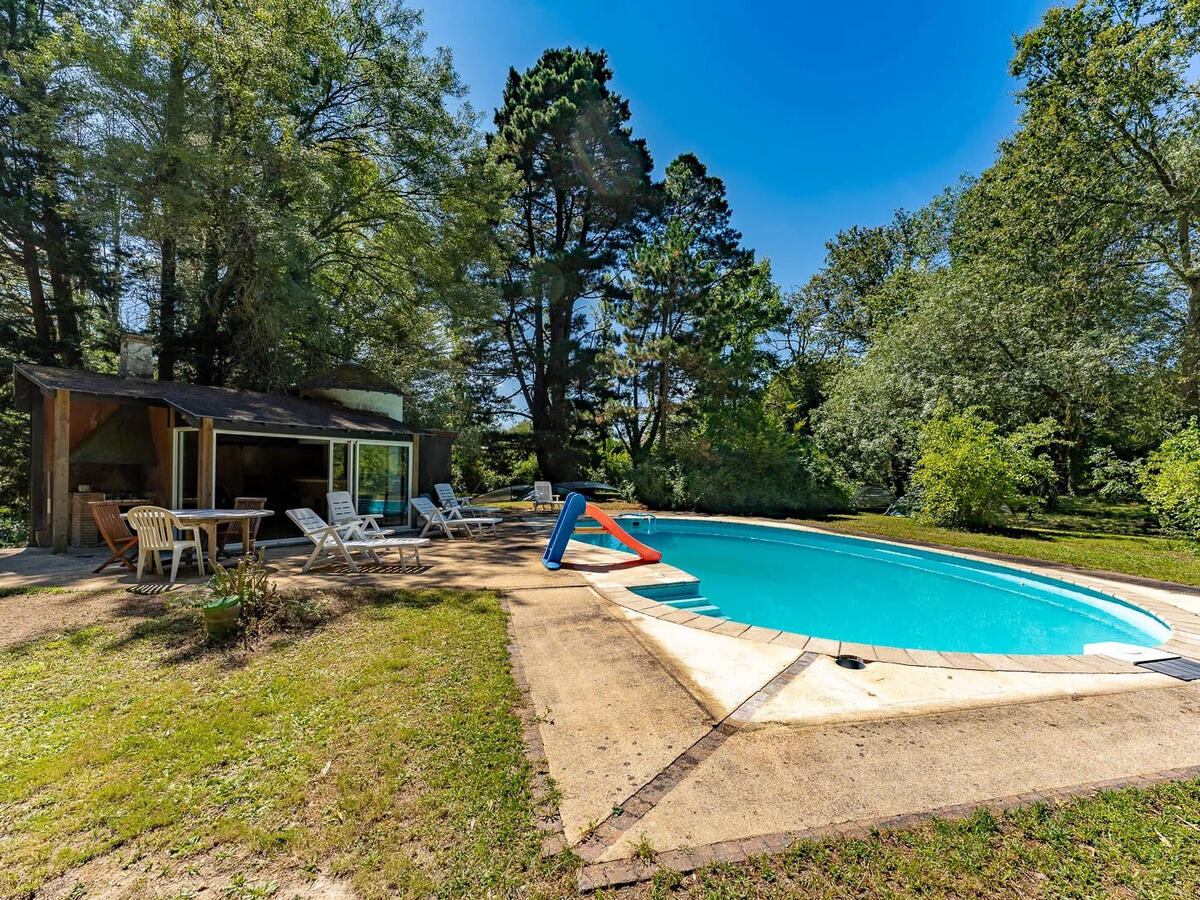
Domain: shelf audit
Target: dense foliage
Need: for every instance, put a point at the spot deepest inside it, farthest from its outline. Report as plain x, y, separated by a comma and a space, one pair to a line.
967, 472
269, 188
584, 183
1057, 285
1171, 482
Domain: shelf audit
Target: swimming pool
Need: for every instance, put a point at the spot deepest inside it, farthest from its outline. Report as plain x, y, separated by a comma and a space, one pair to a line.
889, 595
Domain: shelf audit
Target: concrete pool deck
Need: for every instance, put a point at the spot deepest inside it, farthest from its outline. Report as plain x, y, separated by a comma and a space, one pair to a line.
715, 747
831, 750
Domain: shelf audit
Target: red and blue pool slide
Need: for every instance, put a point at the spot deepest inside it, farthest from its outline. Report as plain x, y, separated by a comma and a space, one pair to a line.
575, 506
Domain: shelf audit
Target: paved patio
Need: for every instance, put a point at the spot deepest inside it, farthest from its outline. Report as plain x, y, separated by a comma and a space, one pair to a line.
715, 747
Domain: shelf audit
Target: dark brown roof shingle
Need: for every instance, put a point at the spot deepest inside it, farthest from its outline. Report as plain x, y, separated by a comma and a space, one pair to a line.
195, 402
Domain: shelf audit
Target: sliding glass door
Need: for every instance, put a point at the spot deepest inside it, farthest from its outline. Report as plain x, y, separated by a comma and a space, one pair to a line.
294, 472
340, 464
384, 481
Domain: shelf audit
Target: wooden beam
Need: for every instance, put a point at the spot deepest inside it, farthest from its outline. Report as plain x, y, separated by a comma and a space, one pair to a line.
414, 487
38, 500
60, 488
205, 462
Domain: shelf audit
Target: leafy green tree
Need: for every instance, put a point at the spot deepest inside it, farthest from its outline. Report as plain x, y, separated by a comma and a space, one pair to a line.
269, 187
974, 338
1111, 478
45, 231
870, 279
741, 459
865, 281
1112, 122
297, 177
1170, 482
583, 187
683, 278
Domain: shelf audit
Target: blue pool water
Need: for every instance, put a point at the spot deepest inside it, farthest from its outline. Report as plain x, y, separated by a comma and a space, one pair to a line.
872, 592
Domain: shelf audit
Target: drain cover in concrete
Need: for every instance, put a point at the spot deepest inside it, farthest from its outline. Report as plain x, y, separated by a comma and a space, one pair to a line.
1183, 669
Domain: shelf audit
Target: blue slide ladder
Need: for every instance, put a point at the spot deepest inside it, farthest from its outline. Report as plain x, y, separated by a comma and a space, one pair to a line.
573, 507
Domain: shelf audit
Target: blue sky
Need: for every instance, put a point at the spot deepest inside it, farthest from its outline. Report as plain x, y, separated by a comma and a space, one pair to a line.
817, 116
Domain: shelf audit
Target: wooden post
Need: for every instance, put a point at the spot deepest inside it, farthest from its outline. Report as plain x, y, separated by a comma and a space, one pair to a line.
60, 487
414, 487
206, 449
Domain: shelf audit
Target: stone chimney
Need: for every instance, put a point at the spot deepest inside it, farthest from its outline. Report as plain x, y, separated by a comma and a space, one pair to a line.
137, 356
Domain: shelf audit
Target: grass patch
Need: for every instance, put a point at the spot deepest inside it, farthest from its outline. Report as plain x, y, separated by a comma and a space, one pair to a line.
379, 748
1129, 843
1078, 533
20, 591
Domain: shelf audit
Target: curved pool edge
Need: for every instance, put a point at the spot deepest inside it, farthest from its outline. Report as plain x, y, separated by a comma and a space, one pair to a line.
616, 578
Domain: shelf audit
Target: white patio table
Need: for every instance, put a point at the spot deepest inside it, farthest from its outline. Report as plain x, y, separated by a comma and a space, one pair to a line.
209, 519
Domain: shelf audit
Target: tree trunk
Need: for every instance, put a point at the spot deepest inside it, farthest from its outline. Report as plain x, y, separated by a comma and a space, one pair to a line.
168, 285
555, 457
664, 387
217, 250
1189, 355
62, 291
43, 328
168, 304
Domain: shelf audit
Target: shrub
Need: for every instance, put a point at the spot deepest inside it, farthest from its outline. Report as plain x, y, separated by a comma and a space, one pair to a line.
1112, 478
1171, 483
486, 460
762, 469
262, 606
14, 531
968, 472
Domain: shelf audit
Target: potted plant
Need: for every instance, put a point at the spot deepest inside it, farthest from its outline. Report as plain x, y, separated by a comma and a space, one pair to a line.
221, 614
238, 599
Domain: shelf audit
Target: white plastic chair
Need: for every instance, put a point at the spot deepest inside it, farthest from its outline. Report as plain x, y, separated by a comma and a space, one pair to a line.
448, 501
446, 522
156, 528
346, 540
342, 512
543, 495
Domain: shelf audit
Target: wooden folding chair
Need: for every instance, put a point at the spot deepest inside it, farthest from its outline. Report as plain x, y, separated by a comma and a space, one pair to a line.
115, 532
232, 531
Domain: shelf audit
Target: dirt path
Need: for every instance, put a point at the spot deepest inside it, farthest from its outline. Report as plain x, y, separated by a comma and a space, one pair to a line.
43, 611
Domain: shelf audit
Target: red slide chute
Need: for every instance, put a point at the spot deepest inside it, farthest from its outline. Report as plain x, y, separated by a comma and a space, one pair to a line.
647, 554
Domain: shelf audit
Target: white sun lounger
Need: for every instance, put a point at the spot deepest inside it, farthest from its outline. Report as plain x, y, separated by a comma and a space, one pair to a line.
448, 522
543, 495
342, 512
347, 540
449, 501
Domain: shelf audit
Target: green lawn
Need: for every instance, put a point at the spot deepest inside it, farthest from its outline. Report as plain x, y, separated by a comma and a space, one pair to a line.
1116, 538
380, 748
1127, 843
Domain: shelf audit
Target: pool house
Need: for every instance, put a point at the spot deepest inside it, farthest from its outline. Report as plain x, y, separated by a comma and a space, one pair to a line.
133, 438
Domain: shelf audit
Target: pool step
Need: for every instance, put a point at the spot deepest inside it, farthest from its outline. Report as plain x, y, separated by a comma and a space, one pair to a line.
681, 595
694, 604
670, 592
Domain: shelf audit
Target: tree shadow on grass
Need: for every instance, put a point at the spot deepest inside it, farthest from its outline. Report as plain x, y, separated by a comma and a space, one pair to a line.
179, 636
79, 636
469, 601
